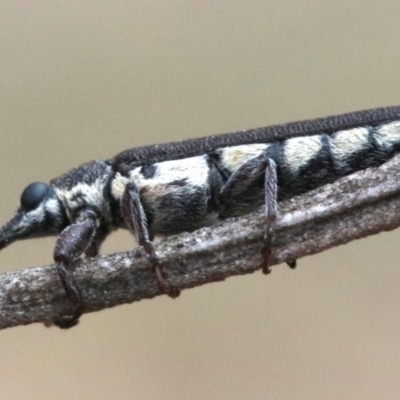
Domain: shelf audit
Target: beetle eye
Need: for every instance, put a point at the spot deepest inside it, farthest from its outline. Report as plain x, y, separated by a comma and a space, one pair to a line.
33, 194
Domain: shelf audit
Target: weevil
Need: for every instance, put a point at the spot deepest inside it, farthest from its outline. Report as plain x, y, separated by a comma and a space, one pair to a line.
181, 186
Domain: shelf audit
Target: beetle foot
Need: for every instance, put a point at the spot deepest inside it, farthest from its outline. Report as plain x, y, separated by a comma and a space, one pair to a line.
74, 296
292, 264
171, 291
265, 252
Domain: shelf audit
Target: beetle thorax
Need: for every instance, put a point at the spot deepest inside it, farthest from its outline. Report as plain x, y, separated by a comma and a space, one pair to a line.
84, 195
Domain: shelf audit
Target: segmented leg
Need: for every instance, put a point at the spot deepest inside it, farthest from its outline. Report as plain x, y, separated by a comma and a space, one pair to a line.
244, 185
271, 210
136, 220
94, 247
71, 243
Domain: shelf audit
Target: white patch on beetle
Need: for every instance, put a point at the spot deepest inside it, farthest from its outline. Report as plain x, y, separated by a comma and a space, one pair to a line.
232, 158
83, 195
32, 217
298, 151
194, 170
387, 135
188, 173
346, 143
118, 186
53, 207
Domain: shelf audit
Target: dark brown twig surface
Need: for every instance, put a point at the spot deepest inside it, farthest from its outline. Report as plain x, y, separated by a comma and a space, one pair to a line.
356, 206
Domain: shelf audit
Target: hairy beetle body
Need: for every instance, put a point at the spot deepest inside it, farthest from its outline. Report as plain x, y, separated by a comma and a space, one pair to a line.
167, 189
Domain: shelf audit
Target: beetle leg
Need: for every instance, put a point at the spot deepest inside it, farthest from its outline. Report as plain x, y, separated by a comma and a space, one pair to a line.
271, 210
71, 243
94, 247
135, 218
241, 188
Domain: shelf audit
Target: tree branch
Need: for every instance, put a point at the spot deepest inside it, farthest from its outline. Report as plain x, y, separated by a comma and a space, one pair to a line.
353, 207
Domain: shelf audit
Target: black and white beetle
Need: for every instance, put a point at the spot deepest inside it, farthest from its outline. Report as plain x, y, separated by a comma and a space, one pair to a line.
174, 187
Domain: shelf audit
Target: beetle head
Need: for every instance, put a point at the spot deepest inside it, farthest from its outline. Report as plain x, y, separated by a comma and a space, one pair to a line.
40, 213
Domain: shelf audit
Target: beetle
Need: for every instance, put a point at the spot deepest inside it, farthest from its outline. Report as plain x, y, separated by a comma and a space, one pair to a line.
182, 186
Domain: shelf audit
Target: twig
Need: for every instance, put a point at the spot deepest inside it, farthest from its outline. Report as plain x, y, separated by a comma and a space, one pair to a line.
353, 207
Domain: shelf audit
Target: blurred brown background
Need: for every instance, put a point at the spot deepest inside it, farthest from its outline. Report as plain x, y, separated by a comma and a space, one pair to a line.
87, 79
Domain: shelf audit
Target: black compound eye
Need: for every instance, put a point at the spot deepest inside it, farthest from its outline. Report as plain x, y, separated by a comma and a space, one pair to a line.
33, 195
